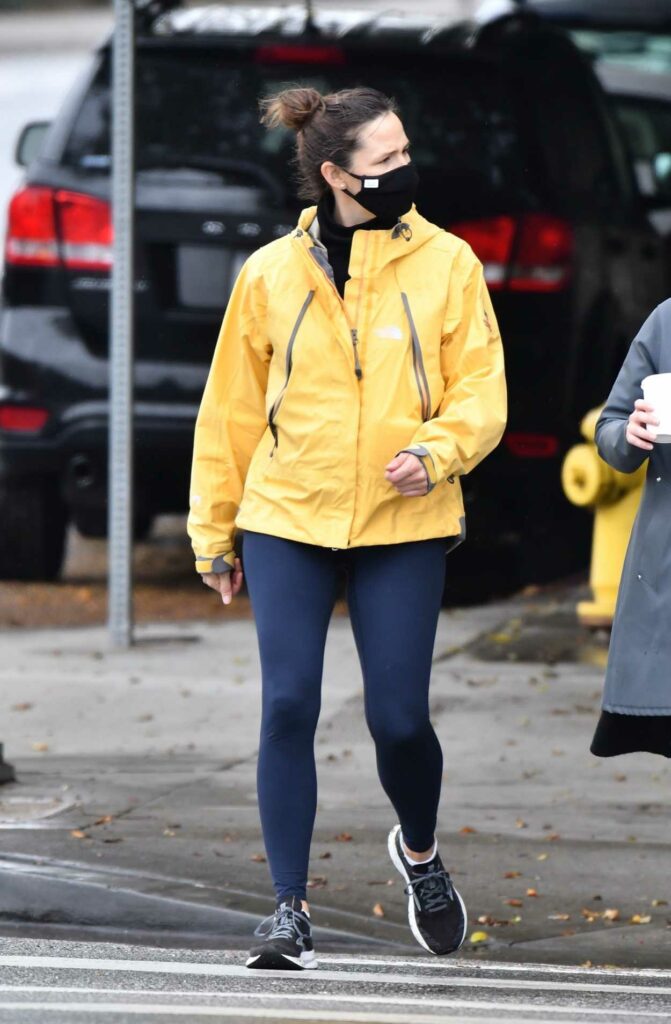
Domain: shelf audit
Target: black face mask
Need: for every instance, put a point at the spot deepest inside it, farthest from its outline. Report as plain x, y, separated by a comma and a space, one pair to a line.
387, 195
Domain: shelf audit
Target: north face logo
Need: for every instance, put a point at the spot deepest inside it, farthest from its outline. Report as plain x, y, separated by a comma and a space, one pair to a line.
389, 331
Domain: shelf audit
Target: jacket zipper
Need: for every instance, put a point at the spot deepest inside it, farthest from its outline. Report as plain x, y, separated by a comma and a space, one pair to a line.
288, 365
353, 331
418, 363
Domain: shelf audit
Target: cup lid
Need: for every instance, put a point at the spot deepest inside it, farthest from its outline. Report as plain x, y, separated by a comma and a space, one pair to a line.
652, 377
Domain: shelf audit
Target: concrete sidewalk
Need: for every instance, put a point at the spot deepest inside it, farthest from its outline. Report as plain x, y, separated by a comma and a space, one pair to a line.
134, 811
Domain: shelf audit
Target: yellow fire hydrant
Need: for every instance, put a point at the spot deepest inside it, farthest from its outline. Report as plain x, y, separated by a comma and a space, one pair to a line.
588, 481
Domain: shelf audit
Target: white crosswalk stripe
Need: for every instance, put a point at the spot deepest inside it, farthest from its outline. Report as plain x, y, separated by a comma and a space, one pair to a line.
48, 982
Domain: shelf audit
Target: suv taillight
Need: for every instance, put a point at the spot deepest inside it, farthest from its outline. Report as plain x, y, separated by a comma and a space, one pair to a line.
22, 418
56, 227
31, 229
529, 254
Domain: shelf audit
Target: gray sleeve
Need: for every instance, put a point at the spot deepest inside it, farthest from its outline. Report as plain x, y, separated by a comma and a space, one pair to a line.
642, 359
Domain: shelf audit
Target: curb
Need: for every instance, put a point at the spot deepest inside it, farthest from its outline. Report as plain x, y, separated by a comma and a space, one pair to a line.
44, 892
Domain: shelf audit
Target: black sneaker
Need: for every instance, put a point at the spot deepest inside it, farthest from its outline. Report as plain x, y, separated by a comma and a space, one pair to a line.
436, 911
287, 945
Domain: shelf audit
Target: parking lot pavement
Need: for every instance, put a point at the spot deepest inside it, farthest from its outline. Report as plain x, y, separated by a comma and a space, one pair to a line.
135, 803
42, 981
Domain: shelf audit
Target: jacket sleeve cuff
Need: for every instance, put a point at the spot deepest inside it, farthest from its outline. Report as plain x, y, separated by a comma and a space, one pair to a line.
613, 447
427, 461
220, 563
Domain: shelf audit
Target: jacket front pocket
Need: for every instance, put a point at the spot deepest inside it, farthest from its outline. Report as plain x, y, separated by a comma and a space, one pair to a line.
653, 555
288, 367
418, 362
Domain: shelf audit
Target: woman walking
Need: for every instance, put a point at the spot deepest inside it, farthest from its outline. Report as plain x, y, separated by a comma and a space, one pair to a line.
636, 705
357, 374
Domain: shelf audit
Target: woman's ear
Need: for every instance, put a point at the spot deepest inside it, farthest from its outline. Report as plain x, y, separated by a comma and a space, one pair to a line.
333, 175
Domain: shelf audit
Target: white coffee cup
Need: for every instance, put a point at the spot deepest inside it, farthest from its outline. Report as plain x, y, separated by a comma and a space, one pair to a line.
657, 391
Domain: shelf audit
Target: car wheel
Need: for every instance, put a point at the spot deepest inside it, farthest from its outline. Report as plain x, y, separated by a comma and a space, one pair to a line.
34, 523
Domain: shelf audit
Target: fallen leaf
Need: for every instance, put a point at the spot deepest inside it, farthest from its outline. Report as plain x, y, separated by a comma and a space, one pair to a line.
105, 820
512, 874
77, 833
559, 917
640, 919
378, 910
542, 856
514, 902
467, 830
40, 747
590, 915
325, 855
317, 882
531, 892
587, 963
611, 914
477, 937
344, 837
23, 706
659, 903
258, 858
520, 823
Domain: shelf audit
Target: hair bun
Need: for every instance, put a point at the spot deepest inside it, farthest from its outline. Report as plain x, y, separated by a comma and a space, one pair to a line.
292, 108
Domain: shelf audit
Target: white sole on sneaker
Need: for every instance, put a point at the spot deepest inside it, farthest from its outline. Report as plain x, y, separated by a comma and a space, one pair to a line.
412, 919
282, 961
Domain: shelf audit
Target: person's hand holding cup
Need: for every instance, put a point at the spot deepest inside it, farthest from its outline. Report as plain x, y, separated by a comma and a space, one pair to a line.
637, 427
650, 421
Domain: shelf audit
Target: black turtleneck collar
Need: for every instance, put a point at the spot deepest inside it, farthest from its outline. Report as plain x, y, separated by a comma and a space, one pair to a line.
338, 237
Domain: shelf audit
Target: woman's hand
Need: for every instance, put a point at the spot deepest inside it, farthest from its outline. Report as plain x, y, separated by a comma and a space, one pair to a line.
637, 433
226, 583
407, 473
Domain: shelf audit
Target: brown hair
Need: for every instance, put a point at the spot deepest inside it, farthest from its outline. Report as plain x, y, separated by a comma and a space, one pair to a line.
327, 127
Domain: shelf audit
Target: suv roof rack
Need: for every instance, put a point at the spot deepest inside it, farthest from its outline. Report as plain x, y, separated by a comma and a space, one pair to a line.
330, 20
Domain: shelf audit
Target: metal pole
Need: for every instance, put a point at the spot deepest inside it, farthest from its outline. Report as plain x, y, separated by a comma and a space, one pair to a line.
120, 457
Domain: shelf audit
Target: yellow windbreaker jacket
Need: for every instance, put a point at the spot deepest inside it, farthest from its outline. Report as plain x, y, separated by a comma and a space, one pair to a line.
309, 396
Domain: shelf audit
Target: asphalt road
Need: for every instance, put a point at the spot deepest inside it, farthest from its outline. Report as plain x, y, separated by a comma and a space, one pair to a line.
43, 982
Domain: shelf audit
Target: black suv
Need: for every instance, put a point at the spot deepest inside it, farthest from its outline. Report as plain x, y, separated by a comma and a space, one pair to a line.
518, 153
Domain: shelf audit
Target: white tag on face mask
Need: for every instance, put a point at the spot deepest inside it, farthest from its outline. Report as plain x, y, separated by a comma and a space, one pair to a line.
371, 183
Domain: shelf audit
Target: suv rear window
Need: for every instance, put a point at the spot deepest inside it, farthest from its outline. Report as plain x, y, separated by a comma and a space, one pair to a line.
198, 107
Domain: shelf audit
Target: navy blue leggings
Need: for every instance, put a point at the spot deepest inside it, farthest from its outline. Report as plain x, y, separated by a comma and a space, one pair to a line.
394, 594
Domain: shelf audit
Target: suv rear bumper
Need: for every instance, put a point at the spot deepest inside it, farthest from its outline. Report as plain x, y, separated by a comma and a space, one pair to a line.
78, 457
45, 363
